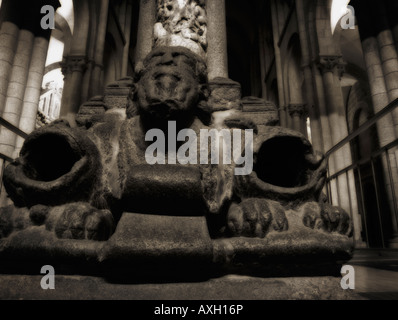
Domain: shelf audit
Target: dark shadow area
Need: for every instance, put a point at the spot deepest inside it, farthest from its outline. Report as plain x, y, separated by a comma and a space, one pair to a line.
281, 162
48, 157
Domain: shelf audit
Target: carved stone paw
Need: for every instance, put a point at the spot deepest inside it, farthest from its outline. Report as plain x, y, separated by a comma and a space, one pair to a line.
255, 218
328, 218
81, 221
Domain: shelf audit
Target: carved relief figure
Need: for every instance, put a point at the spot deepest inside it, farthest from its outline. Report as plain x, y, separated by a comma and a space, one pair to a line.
182, 23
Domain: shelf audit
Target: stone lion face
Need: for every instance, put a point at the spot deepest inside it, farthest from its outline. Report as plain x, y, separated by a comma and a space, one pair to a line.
169, 87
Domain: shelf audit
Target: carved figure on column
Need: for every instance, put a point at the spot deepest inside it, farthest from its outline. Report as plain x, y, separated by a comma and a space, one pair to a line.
182, 23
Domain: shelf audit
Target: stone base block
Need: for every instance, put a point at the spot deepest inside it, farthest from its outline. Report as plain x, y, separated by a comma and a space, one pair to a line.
261, 112
225, 94
232, 287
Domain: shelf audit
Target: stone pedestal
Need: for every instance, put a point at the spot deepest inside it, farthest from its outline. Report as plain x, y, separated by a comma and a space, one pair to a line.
116, 94
152, 245
261, 112
233, 287
225, 94
91, 110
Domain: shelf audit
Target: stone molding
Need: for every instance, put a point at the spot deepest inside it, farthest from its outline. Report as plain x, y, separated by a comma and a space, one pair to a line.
74, 64
297, 109
328, 63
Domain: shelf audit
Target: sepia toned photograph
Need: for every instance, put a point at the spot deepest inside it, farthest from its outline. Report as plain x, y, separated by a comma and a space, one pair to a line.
219, 152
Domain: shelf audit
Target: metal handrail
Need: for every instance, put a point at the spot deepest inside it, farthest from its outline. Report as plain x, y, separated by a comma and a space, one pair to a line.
13, 128
389, 108
356, 167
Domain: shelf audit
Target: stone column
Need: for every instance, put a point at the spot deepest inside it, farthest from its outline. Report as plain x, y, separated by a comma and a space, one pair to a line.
389, 60
217, 52
8, 44
316, 130
385, 126
127, 28
296, 112
331, 68
278, 64
73, 69
27, 123
97, 73
378, 89
146, 22
16, 90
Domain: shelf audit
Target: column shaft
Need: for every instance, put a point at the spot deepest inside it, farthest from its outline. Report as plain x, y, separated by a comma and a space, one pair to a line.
316, 130
16, 90
146, 22
217, 51
27, 122
74, 67
126, 50
8, 44
97, 73
278, 65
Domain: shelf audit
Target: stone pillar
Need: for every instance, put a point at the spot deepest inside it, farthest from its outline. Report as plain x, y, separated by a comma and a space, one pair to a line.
316, 130
16, 90
296, 112
278, 64
73, 69
27, 123
331, 67
126, 50
389, 60
378, 89
8, 44
97, 73
385, 126
146, 22
217, 52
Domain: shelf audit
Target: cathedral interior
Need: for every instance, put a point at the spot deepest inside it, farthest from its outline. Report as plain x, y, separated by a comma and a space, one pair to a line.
328, 71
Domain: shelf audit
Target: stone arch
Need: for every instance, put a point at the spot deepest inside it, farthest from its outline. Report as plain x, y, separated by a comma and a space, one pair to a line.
62, 25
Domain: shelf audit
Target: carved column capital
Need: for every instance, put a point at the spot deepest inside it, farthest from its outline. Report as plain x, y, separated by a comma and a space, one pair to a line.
297, 109
74, 64
330, 63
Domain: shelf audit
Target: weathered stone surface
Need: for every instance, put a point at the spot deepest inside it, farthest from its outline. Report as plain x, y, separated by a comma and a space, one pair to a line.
117, 94
314, 251
91, 112
232, 287
182, 24
225, 94
261, 112
286, 168
159, 243
178, 190
66, 172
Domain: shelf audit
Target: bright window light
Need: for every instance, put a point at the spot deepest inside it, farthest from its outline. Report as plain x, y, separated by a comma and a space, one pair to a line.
339, 9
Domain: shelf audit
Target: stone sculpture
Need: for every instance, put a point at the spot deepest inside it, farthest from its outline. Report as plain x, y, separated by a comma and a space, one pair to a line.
86, 193
182, 23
